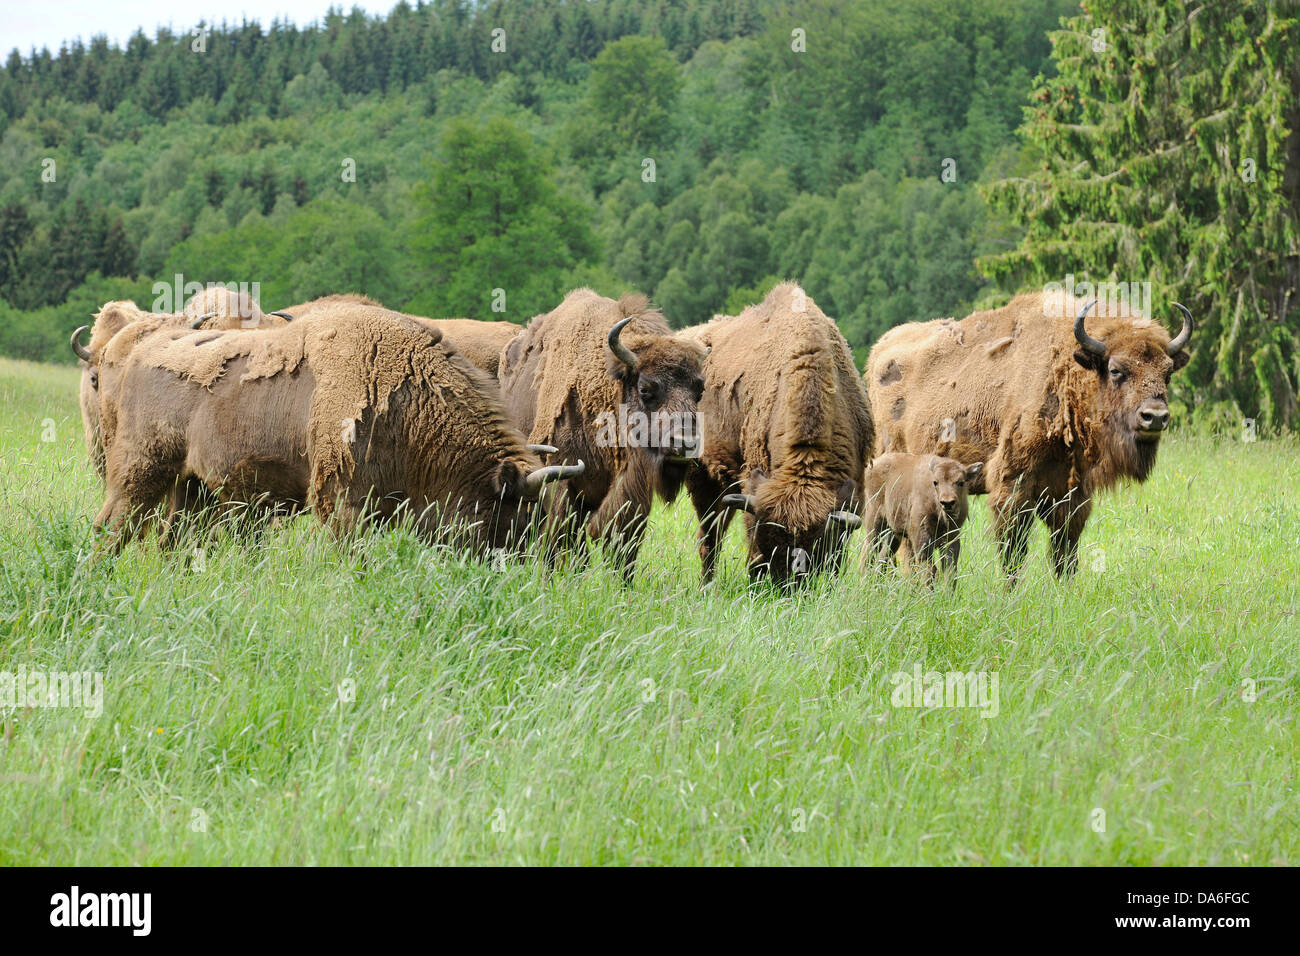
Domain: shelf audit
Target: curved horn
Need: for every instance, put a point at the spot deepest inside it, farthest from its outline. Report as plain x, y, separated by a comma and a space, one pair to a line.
541, 449
739, 502
625, 354
1087, 341
284, 315
534, 480
1179, 342
845, 519
197, 323
81, 351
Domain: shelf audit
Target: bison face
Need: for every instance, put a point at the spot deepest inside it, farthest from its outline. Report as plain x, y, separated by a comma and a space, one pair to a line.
795, 532
663, 381
525, 503
951, 485
1133, 366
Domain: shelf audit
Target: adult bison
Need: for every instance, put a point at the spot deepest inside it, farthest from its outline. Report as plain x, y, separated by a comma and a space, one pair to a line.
608, 382
214, 308
480, 342
1058, 407
359, 412
787, 433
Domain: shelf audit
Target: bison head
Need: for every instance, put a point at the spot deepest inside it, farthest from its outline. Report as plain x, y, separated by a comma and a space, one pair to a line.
951, 483
662, 380
1133, 362
795, 531
523, 503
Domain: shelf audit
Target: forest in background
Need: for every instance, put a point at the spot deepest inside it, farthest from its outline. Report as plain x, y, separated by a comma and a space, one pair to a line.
903, 160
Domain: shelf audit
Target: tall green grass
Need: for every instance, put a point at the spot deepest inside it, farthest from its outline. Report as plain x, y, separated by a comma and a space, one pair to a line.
521, 716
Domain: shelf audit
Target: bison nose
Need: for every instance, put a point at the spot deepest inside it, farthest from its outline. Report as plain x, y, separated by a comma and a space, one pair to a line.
948, 503
1153, 416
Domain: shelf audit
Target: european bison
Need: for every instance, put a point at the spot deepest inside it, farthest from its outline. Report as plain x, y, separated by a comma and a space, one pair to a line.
1056, 410
480, 342
918, 498
361, 411
215, 308
787, 432
608, 382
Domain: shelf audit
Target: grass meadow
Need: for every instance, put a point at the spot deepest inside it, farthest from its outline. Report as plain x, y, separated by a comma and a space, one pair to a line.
298, 700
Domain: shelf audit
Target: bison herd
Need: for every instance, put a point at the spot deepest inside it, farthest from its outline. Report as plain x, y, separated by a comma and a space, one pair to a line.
491, 436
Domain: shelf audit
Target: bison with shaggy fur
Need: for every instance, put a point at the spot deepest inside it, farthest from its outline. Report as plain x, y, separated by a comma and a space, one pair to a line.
787, 432
1057, 406
361, 412
610, 383
214, 308
480, 342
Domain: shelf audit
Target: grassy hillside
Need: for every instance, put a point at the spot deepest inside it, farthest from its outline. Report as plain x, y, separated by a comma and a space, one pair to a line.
511, 716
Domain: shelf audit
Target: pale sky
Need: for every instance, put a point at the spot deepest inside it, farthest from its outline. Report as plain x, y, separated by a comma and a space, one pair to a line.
28, 23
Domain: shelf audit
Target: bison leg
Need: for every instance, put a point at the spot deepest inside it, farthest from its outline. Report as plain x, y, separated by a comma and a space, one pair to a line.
881, 543
705, 494
949, 553
923, 539
1066, 519
1012, 525
621, 519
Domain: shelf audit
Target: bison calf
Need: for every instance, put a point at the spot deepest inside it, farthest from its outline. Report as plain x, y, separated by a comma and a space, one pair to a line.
920, 498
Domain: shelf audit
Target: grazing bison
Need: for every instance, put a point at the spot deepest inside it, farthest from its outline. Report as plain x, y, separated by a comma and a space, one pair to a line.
214, 308
610, 383
787, 432
480, 342
1058, 408
362, 411
918, 498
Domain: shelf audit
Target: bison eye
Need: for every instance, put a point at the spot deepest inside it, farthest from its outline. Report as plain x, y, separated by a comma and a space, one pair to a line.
1117, 374
936, 484
94, 380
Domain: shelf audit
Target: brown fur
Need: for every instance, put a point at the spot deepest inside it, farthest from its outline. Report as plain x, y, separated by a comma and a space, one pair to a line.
1051, 432
558, 377
480, 342
233, 311
785, 419
354, 412
918, 498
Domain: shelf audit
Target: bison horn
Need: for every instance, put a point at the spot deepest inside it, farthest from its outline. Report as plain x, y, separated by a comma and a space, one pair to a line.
197, 323
739, 502
845, 519
1087, 341
534, 481
284, 315
625, 354
543, 449
1179, 342
81, 351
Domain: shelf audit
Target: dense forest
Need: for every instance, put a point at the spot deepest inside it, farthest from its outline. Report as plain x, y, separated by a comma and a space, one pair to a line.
904, 159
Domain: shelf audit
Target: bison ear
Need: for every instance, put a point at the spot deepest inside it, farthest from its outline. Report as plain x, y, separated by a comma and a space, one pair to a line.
1181, 358
848, 491
507, 479
1088, 360
973, 471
